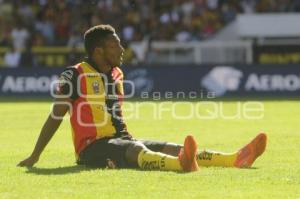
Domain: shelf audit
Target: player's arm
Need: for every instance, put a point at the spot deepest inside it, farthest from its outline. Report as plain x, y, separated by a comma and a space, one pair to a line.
66, 92
51, 125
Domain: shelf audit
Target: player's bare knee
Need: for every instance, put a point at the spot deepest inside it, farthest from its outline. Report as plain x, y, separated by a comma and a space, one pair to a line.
171, 149
133, 151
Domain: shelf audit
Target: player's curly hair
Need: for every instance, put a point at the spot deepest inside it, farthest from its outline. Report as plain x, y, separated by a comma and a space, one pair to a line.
95, 37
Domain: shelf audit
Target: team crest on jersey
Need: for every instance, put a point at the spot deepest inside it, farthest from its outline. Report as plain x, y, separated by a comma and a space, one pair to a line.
96, 87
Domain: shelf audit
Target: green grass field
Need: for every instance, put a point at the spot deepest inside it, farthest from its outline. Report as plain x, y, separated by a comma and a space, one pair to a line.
275, 175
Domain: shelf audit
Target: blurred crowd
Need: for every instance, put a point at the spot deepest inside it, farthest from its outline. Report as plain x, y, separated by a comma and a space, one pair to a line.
26, 23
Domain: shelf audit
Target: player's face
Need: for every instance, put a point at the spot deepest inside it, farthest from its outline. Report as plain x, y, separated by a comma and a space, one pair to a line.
113, 51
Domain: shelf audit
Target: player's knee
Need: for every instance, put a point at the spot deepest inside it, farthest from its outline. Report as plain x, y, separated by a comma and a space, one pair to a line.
171, 149
133, 151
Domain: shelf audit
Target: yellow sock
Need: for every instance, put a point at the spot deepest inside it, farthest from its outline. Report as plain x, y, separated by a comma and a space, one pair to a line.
158, 161
212, 158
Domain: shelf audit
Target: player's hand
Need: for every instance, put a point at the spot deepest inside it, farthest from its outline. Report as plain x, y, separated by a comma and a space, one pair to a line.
28, 162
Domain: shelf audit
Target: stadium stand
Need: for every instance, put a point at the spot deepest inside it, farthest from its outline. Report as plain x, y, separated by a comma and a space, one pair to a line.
60, 23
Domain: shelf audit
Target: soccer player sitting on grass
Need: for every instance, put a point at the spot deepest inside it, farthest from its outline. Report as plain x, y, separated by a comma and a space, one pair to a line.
92, 93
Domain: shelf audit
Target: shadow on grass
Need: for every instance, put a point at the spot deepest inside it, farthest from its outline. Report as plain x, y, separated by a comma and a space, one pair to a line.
252, 168
78, 169
59, 170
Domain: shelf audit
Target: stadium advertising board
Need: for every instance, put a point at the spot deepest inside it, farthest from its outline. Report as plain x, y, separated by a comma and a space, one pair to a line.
216, 81
35, 82
260, 80
174, 82
277, 54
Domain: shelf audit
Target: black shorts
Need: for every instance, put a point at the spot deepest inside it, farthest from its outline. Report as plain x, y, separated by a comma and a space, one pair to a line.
114, 149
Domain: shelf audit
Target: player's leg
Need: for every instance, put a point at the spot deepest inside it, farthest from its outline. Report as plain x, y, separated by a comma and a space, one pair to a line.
163, 147
242, 158
126, 153
204, 158
151, 160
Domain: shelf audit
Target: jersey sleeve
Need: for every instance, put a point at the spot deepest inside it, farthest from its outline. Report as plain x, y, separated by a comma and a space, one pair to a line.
67, 84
